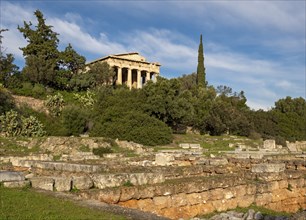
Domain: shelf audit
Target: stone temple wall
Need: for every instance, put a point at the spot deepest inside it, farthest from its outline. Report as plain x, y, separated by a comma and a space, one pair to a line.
277, 191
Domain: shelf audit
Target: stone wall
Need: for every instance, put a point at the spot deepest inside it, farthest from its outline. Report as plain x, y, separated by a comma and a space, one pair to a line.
283, 191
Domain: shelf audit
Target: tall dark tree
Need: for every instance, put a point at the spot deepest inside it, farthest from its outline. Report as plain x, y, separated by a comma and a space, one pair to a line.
7, 66
41, 53
201, 77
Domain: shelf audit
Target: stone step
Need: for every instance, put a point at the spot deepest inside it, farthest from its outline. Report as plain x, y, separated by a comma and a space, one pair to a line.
62, 166
16, 184
6, 176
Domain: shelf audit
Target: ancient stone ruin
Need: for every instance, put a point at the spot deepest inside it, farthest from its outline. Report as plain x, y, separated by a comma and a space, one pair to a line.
179, 183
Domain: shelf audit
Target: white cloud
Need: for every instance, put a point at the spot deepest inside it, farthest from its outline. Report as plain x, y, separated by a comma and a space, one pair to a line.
73, 33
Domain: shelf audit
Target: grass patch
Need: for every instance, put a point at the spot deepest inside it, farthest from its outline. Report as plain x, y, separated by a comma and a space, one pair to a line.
16, 146
27, 204
215, 144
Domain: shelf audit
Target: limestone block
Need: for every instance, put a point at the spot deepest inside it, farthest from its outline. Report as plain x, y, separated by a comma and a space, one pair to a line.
128, 193
62, 184
146, 192
163, 159
162, 201
269, 144
268, 168
146, 205
102, 181
194, 198
216, 194
110, 196
82, 182
246, 201
11, 176
263, 199
256, 155
45, 183
16, 184
179, 200
218, 161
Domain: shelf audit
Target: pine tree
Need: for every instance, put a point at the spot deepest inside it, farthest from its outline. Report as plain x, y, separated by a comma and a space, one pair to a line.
41, 54
201, 77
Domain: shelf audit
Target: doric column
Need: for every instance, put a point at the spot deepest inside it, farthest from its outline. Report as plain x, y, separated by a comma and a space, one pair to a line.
129, 78
119, 77
155, 77
148, 76
139, 81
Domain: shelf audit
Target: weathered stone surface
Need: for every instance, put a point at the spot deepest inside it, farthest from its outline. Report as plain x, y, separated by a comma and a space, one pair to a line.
268, 168
102, 181
62, 184
111, 196
218, 161
16, 184
82, 182
45, 183
163, 159
269, 144
162, 201
11, 176
128, 193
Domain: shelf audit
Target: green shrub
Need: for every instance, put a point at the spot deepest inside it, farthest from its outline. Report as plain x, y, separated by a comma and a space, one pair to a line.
55, 104
102, 150
132, 126
74, 120
88, 99
39, 91
12, 124
32, 127
6, 100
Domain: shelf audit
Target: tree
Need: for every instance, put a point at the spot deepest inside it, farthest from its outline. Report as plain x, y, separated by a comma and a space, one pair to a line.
41, 54
201, 77
102, 73
70, 60
7, 66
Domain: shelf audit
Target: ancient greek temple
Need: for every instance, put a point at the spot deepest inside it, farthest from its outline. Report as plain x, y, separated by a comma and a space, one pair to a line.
131, 69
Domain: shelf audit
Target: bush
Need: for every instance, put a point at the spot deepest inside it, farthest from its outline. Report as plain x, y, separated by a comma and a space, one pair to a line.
74, 120
55, 104
39, 91
31, 127
102, 150
6, 100
132, 126
12, 124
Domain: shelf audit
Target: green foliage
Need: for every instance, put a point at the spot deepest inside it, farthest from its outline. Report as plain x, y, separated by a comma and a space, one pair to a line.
6, 100
32, 127
7, 66
102, 73
102, 150
87, 100
128, 184
132, 126
165, 101
55, 104
12, 124
74, 120
201, 76
70, 60
41, 54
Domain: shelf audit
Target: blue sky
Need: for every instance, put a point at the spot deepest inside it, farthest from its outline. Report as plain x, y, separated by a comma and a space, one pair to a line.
254, 46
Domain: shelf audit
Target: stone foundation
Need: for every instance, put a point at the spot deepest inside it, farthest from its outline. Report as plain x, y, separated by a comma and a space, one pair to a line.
189, 198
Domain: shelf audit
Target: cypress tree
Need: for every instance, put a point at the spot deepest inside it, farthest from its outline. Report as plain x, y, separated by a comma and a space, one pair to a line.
201, 77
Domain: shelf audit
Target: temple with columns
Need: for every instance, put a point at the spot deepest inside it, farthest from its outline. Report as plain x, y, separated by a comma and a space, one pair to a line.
131, 69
